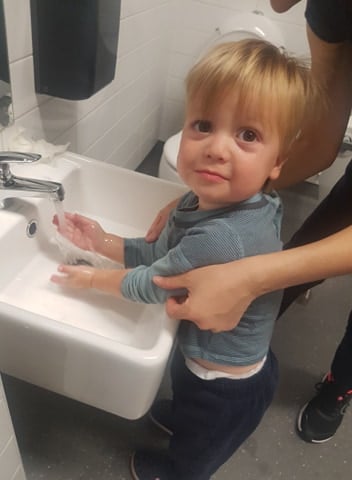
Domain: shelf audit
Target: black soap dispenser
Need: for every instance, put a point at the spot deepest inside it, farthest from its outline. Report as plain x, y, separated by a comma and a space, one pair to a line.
74, 46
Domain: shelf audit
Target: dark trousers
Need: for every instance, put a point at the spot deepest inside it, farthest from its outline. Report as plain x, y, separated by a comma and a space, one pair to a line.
332, 214
212, 418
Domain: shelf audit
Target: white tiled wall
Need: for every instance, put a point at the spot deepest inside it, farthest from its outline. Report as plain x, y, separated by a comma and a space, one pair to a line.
10, 461
120, 123
195, 26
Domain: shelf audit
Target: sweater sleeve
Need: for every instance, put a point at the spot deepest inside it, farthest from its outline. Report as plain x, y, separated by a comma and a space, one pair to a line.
199, 247
139, 252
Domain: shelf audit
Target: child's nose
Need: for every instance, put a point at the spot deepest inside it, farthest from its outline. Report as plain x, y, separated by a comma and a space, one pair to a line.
219, 147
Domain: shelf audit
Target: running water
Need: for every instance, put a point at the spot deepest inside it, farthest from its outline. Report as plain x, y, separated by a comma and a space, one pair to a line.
74, 255
66, 248
60, 214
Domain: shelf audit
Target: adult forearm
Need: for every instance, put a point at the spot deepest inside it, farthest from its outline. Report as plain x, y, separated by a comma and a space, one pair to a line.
281, 6
326, 258
160, 221
309, 157
218, 295
321, 137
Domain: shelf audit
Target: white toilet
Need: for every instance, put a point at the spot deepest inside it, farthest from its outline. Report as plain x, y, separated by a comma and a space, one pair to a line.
246, 25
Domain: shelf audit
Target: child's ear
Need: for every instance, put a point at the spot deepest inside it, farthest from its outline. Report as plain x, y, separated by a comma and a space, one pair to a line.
275, 172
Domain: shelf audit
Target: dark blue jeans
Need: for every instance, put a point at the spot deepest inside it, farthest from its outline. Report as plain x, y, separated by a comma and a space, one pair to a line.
212, 418
332, 214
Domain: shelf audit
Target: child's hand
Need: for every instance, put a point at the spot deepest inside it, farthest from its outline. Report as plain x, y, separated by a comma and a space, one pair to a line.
81, 231
80, 276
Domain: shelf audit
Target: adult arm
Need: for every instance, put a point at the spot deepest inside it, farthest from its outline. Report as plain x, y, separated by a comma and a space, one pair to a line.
281, 6
319, 143
219, 295
160, 221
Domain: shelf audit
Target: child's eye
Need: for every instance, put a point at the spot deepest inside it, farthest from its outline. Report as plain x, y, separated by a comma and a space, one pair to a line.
248, 135
202, 126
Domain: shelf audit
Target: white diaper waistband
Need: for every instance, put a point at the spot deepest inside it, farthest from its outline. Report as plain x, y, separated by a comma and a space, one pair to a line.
206, 374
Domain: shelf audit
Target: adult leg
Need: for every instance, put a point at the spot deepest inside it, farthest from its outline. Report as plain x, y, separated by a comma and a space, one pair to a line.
333, 214
320, 418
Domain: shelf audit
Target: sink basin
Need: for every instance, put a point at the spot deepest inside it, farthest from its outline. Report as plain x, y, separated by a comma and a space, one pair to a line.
86, 345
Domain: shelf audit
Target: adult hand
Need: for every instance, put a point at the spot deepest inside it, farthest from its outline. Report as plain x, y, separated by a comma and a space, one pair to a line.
80, 276
218, 295
83, 232
159, 222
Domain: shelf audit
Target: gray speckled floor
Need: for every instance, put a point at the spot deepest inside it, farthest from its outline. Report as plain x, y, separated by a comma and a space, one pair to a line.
61, 439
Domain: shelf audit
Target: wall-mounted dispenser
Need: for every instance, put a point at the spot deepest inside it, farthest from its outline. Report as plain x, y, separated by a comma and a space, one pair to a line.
74, 46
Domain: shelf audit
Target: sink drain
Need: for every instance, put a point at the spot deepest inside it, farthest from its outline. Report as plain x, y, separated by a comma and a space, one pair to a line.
32, 228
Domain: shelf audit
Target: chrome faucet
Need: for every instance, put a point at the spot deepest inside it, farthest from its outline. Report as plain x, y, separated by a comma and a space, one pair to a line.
13, 186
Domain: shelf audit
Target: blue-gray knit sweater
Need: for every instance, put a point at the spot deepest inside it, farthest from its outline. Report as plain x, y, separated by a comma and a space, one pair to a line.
193, 238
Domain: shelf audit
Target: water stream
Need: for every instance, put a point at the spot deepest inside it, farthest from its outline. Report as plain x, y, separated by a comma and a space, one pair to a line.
73, 255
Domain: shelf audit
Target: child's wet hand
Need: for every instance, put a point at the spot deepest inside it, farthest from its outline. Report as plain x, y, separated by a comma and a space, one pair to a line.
82, 231
80, 276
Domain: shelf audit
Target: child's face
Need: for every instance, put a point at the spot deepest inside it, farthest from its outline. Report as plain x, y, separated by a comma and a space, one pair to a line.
227, 156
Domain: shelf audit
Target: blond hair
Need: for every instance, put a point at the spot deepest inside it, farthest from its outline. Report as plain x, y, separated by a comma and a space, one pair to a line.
266, 80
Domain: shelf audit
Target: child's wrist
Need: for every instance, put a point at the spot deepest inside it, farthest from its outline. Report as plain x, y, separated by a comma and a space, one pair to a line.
108, 244
91, 278
112, 246
106, 280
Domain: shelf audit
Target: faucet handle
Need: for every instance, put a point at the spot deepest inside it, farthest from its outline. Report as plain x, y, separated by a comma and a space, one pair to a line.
6, 177
18, 157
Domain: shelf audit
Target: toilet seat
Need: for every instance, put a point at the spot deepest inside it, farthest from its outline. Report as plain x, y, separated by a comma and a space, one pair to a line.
238, 27
250, 25
171, 148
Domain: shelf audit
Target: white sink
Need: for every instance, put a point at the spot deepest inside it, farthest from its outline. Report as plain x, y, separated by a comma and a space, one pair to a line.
102, 351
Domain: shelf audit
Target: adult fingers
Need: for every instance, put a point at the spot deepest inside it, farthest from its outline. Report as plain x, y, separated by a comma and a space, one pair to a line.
155, 229
170, 283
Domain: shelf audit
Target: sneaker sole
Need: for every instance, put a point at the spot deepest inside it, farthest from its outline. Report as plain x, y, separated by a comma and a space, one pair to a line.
301, 432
